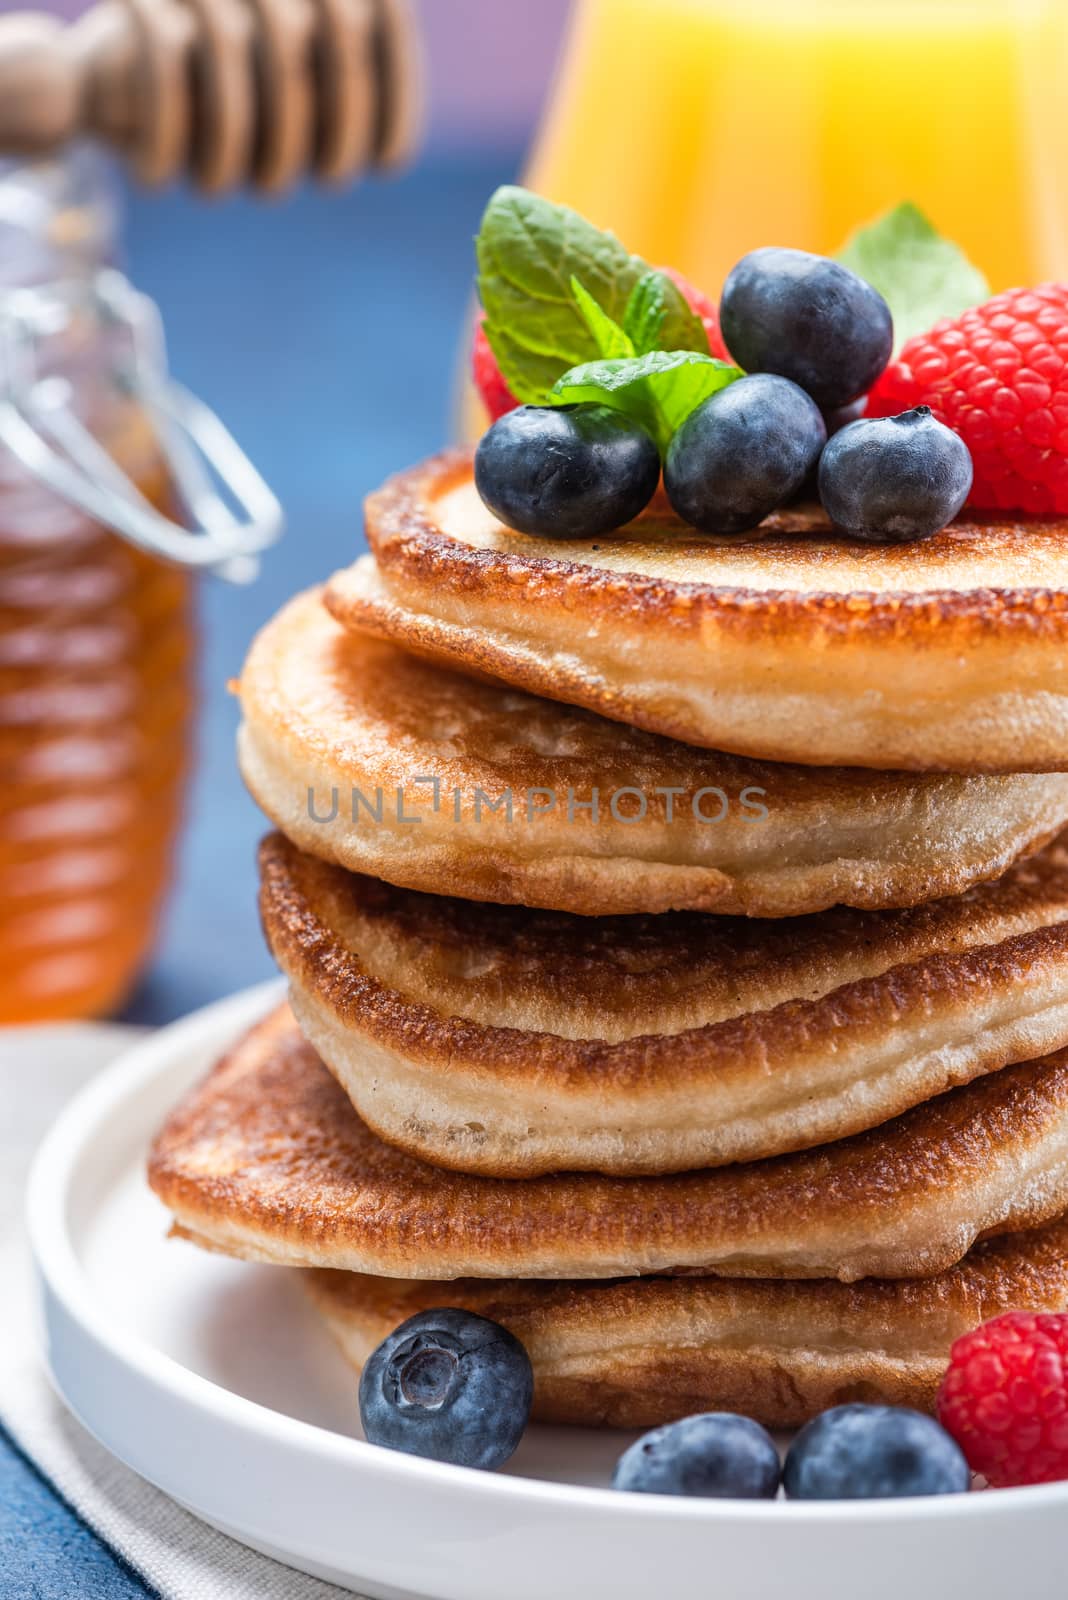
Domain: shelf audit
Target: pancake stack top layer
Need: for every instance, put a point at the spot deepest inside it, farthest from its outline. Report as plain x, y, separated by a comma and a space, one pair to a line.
819, 1132
788, 644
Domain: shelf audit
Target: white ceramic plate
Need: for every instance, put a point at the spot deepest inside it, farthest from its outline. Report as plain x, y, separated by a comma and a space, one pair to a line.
214, 1380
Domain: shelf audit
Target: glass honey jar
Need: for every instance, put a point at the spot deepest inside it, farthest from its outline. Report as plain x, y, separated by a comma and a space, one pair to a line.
116, 488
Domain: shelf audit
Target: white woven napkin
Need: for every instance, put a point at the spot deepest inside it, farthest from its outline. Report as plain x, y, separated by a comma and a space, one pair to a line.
178, 1556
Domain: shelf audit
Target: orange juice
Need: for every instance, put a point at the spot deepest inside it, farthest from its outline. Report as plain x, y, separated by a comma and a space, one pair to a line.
699, 129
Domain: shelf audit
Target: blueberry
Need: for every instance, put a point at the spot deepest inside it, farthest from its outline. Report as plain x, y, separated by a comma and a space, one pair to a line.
895, 478
873, 1453
448, 1385
717, 1456
808, 319
742, 453
566, 472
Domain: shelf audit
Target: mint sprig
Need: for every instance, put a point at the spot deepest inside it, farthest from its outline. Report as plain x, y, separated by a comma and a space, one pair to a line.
611, 340
658, 389
658, 318
529, 250
919, 274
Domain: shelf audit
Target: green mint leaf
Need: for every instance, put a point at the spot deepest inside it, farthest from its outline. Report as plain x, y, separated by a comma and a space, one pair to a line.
646, 312
528, 251
540, 372
609, 337
658, 389
658, 318
920, 275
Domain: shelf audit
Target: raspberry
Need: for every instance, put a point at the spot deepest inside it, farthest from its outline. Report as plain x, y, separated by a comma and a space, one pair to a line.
496, 395
702, 306
998, 375
1005, 1398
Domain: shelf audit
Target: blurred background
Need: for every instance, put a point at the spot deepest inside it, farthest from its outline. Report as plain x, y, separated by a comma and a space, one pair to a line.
324, 328
327, 328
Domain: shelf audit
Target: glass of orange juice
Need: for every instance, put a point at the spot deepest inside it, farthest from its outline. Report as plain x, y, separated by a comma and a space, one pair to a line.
700, 129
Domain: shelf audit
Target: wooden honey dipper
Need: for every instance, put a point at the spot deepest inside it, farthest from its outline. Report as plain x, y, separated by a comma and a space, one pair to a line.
232, 92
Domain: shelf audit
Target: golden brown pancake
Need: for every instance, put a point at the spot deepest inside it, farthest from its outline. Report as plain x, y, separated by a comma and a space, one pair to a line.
788, 644
643, 1351
512, 1042
268, 1161
502, 785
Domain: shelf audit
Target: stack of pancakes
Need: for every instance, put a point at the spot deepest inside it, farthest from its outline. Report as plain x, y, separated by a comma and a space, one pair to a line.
726, 1081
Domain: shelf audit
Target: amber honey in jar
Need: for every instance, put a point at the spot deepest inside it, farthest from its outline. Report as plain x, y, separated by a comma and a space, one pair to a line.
97, 628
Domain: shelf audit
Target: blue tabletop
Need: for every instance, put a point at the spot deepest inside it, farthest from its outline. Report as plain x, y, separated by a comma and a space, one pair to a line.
324, 330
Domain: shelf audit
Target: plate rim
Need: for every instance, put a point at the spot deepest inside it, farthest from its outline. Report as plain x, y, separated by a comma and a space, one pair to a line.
152, 1057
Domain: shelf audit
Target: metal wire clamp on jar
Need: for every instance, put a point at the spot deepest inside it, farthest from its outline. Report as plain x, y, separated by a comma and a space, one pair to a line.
116, 487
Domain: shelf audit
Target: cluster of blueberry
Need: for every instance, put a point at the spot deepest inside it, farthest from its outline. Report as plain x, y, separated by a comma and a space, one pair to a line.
852, 1452
812, 337
456, 1387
